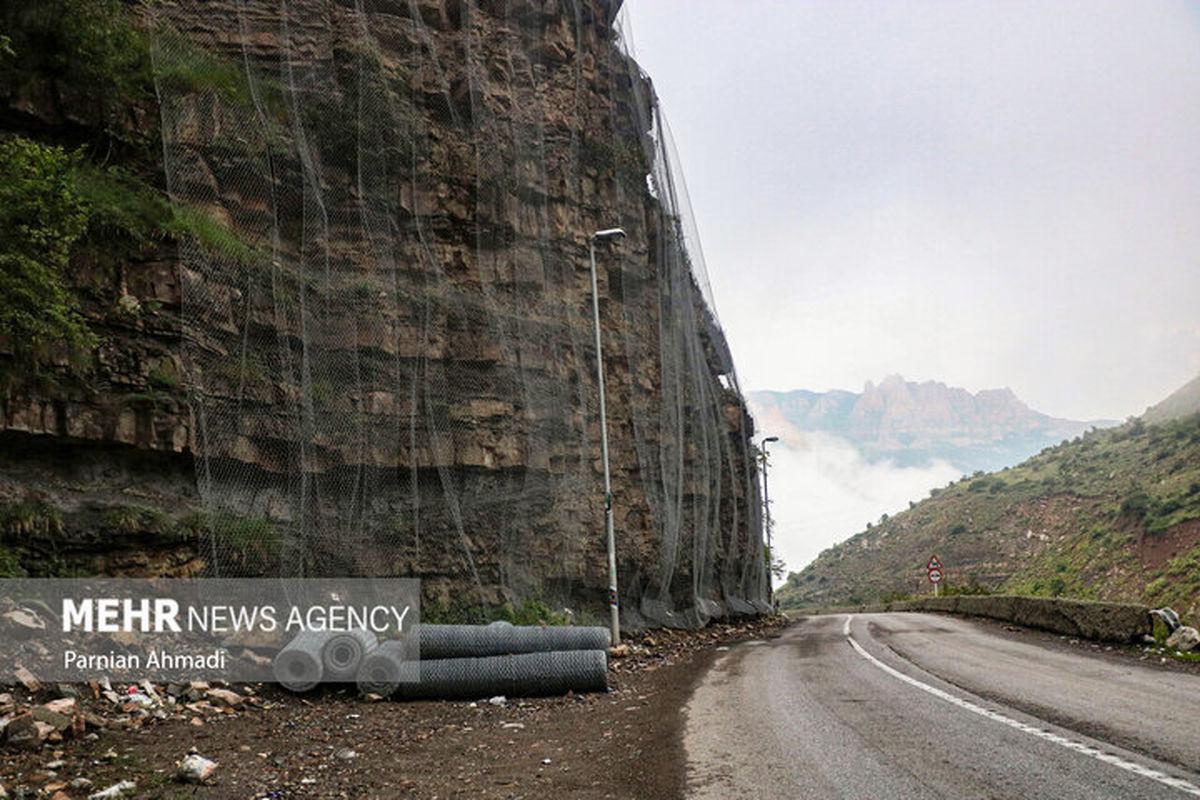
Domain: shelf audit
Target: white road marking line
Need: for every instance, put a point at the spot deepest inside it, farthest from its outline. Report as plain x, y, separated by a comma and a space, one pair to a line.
1078, 747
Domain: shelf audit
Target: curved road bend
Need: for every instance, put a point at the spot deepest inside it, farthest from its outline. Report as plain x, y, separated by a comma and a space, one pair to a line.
886, 706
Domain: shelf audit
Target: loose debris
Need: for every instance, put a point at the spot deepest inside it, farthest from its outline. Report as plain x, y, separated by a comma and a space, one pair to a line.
34, 721
27, 679
329, 744
1185, 639
115, 791
195, 768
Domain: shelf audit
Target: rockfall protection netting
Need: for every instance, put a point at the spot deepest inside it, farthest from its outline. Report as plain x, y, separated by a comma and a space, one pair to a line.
387, 313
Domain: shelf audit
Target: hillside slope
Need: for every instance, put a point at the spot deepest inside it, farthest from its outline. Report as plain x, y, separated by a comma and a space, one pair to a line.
915, 424
1114, 514
1183, 402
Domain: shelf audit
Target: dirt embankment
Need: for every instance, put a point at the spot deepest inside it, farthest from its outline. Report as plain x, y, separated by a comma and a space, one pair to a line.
623, 744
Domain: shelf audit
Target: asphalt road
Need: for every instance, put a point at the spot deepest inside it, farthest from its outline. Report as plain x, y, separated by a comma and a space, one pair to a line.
921, 706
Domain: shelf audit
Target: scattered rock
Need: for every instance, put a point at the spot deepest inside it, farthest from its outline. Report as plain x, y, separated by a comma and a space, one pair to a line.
1184, 639
113, 792
346, 754
498, 700
65, 690
27, 733
224, 697
56, 764
136, 699
56, 713
23, 622
27, 679
80, 784
254, 658
3, 792
195, 768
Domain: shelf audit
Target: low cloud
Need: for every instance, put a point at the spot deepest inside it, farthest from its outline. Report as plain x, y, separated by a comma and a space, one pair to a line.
823, 491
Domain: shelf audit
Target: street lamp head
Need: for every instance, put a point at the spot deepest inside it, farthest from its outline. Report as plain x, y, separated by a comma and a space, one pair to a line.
770, 439
609, 233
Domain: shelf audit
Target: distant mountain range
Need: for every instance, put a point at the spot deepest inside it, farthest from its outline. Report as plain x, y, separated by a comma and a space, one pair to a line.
915, 424
1114, 515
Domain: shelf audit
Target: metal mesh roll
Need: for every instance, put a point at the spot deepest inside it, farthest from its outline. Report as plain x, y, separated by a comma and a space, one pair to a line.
475, 641
384, 668
524, 675
298, 665
343, 654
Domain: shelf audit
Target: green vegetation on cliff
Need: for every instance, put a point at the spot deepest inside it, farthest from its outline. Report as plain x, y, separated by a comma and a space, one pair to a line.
91, 191
54, 204
42, 215
85, 57
1113, 515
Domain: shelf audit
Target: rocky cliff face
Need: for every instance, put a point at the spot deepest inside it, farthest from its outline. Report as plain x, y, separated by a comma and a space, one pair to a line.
385, 330
913, 424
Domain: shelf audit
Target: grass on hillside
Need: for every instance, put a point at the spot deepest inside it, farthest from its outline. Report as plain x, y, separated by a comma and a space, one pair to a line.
1066, 522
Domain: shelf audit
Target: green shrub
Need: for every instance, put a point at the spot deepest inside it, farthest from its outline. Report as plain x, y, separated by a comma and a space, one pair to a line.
213, 236
1135, 504
41, 217
10, 565
118, 202
137, 519
533, 612
254, 539
183, 66
164, 377
79, 43
30, 518
972, 588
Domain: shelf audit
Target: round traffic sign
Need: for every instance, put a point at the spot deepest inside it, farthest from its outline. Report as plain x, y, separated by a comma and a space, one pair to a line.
935, 575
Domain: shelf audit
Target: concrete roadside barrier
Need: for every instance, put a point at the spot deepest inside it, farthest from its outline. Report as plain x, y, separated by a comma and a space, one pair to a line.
1084, 619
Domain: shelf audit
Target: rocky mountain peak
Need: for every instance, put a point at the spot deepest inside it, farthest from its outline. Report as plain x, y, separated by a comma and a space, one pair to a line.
912, 422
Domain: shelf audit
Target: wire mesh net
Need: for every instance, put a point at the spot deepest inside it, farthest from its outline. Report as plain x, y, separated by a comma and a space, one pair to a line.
387, 312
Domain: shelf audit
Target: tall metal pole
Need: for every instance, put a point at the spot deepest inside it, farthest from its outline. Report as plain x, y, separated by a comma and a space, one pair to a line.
613, 604
767, 511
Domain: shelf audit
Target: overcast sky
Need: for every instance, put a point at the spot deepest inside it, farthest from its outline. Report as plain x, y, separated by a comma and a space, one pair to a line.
983, 193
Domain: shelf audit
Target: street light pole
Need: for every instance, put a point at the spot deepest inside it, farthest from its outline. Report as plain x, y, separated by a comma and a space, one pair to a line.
767, 509
613, 605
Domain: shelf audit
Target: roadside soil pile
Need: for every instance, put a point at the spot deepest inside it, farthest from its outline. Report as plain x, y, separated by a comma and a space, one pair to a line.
334, 744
